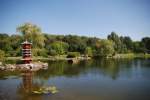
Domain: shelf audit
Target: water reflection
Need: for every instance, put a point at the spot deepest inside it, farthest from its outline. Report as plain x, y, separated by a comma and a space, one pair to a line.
107, 67
116, 77
27, 82
112, 68
27, 86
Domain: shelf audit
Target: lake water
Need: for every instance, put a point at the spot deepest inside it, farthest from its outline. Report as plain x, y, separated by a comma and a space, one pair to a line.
125, 79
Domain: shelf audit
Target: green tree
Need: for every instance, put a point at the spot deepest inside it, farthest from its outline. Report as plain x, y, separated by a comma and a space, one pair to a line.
106, 48
73, 54
60, 47
118, 44
39, 52
138, 47
6, 44
33, 33
88, 51
146, 43
76, 43
127, 42
2, 55
15, 41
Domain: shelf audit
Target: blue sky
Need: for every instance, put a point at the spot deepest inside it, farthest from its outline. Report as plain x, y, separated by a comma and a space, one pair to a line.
81, 17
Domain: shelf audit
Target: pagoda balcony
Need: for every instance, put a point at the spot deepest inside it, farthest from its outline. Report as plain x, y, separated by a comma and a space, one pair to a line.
26, 52
26, 49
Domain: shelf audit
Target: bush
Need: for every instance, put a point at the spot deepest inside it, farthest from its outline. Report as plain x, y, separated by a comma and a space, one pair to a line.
88, 51
39, 52
60, 47
2, 55
73, 54
53, 53
43, 53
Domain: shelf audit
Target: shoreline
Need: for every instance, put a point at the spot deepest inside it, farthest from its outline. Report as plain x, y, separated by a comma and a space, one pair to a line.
55, 58
52, 58
75, 60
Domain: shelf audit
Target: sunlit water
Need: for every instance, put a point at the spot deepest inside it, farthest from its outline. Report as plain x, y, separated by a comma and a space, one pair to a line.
126, 79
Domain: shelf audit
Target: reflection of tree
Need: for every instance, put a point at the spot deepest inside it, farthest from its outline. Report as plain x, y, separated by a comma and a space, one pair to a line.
6, 74
61, 69
112, 67
109, 67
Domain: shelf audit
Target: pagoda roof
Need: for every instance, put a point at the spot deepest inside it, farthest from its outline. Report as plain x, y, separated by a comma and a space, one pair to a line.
26, 42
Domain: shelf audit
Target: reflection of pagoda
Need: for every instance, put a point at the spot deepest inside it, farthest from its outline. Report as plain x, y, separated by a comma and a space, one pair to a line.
26, 52
27, 81
27, 86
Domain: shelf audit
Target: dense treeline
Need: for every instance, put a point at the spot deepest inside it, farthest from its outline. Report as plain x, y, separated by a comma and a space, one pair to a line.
51, 45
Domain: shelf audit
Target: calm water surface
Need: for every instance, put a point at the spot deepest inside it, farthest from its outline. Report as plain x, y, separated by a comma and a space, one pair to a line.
126, 79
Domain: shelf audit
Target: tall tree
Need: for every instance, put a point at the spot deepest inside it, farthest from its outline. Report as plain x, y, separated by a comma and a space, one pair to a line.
2, 55
106, 48
75, 43
146, 42
118, 44
88, 51
138, 47
59, 47
33, 33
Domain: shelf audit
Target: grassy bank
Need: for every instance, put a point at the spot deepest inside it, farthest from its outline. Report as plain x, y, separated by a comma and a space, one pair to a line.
132, 55
63, 57
53, 58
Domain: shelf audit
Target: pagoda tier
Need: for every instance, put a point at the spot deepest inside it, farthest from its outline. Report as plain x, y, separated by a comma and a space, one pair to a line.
28, 52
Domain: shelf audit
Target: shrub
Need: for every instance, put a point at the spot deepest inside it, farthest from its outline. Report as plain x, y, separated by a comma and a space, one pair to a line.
2, 55
88, 51
60, 47
73, 54
39, 52
53, 53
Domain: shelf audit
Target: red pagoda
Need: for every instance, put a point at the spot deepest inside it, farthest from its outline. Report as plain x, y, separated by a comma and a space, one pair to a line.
26, 52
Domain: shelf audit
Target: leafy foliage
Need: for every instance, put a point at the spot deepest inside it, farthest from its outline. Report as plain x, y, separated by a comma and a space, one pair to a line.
49, 44
39, 52
2, 54
88, 51
73, 54
146, 43
59, 47
33, 33
106, 48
